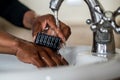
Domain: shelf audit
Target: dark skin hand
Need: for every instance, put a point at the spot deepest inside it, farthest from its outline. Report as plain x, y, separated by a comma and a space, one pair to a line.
29, 52
39, 56
63, 32
41, 22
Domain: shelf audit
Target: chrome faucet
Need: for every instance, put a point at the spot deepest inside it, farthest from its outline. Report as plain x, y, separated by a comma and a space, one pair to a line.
54, 6
102, 23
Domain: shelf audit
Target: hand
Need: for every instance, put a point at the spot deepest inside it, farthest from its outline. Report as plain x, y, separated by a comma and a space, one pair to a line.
37, 55
41, 22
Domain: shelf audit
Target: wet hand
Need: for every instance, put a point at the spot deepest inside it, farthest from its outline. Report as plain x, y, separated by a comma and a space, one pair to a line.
39, 56
47, 21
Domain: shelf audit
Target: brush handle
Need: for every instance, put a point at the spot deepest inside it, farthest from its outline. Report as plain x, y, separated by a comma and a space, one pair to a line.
52, 42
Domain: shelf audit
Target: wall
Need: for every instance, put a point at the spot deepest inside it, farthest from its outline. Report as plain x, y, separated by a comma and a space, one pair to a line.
68, 13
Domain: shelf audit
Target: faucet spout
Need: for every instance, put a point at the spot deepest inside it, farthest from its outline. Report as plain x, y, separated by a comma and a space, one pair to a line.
54, 6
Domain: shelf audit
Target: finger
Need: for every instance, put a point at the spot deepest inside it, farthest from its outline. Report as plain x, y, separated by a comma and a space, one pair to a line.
37, 62
35, 27
62, 59
49, 19
47, 59
54, 57
66, 30
60, 34
38, 26
56, 29
42, 20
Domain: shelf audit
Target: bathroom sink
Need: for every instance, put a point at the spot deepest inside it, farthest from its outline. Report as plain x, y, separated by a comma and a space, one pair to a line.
83, 66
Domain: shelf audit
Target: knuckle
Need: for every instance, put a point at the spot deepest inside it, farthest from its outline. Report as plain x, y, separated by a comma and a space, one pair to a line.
52, 64
68, 29
50, 16
34, 57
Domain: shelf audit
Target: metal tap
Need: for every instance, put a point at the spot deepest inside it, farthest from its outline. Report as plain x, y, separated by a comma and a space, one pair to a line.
102, 23
54, 6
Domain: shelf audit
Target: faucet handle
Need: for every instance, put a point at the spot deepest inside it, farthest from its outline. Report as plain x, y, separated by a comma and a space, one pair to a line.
113, 23
117, 12
89, 21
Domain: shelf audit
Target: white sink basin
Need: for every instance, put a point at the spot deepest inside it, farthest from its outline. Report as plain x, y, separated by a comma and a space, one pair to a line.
82, 66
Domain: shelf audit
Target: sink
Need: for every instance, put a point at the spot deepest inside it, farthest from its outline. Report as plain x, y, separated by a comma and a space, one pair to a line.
83, 66
80, 56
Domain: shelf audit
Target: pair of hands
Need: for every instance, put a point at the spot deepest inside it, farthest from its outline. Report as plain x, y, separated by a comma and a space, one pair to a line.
41, 56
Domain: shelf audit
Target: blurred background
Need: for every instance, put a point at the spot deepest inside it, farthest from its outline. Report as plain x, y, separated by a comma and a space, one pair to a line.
72, 12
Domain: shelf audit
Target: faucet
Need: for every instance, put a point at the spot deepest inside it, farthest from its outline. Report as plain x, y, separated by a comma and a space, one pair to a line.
102, 23
54, 6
